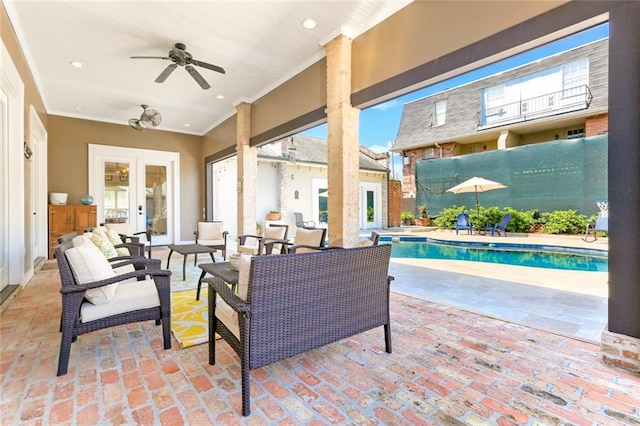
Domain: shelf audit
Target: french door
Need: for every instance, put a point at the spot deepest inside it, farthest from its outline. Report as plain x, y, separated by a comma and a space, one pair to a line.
138, 187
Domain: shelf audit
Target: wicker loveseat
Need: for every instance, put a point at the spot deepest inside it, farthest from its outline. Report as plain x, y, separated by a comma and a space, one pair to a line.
292, 303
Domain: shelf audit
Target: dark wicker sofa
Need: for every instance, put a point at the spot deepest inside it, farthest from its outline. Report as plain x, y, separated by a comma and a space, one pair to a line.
298, 302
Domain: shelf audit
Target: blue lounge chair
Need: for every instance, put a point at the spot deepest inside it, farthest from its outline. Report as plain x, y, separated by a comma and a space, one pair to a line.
497, 227
463, 222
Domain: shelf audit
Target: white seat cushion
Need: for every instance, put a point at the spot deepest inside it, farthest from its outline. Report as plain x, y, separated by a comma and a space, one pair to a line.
210, 231
309, 237
363, 243
248, 249
88, 265
224, 313
228, 316
129, 296
210, 242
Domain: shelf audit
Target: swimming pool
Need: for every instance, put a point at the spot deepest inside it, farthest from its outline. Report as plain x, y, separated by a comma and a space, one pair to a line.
538, 256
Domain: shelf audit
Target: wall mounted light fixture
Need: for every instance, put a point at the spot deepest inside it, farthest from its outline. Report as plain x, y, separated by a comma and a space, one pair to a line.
28, 153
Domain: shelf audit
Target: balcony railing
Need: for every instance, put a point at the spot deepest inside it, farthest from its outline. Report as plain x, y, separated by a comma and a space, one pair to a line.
573, 99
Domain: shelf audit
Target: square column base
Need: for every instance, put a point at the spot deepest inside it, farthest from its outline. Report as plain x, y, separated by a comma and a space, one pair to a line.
621, 351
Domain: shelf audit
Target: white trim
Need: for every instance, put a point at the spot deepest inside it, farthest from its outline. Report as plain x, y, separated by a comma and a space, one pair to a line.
38, 244
99, 153
13, 86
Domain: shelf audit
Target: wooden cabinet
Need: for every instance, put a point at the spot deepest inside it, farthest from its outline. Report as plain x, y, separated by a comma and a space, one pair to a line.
68, 218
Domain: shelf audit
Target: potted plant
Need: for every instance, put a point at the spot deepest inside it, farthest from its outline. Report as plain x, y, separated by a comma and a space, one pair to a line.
423, 215
273, 215
407, 218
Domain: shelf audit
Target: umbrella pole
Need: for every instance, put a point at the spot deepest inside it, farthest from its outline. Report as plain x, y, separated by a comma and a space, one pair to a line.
477, 211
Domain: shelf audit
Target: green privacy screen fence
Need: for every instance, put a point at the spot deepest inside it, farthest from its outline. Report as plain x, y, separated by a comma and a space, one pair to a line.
557, 175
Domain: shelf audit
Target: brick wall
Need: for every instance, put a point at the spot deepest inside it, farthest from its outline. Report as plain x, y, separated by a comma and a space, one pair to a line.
621, 351
395, 203
596, 125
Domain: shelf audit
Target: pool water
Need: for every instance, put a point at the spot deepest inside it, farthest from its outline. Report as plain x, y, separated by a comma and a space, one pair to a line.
509, 254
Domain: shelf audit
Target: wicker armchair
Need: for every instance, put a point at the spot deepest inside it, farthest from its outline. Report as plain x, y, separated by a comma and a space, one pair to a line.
211, 234
306, 240
142, 294
254, 244
289, 304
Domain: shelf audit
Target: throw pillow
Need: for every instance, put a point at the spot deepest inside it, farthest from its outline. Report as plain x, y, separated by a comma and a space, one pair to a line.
103, 244
115, 239
88, 264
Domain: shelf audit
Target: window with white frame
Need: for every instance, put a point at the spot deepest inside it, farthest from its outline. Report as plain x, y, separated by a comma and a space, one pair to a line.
575, 75
439, 113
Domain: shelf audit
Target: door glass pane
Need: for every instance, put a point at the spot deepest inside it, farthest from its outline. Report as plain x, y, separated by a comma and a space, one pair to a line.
156, 198
116, 192
323, 205
370, 215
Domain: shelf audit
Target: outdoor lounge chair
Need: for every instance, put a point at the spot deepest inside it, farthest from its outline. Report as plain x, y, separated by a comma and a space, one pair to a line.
301, 223
601, 224
94, 296
462, 223
497, 227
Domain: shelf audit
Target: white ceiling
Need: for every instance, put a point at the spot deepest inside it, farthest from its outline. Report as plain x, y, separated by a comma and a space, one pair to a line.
259, 43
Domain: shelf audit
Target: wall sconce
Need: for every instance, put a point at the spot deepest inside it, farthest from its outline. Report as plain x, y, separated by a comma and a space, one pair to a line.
28, 153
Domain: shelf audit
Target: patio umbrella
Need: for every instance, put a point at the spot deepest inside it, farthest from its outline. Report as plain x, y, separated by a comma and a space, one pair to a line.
476, 184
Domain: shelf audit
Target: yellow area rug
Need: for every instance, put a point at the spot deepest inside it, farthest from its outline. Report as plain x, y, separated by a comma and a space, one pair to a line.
190, 317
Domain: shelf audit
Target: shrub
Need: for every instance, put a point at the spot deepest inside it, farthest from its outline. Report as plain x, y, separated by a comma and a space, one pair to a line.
521, 221
447, 218
563, 222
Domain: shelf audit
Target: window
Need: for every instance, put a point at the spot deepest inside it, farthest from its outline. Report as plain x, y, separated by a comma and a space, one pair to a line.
439, 113
575, 133
574, 75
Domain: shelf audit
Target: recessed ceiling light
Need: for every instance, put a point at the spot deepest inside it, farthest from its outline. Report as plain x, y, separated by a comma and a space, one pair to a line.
76, 64
187, 124
78, 108
309, 23
220, 97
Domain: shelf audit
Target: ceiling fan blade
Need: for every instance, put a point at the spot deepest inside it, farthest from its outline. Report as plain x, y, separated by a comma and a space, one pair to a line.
208, 66
166, 73
149, 57
197, 77
136, 124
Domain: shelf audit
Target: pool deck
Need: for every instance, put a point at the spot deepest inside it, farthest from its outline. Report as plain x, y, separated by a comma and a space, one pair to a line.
568, 303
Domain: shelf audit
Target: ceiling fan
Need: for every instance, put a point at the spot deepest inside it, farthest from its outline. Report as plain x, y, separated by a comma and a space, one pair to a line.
148, 119
179, 56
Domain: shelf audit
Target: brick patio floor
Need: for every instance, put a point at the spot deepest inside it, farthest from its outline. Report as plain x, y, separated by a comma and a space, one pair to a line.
448, 367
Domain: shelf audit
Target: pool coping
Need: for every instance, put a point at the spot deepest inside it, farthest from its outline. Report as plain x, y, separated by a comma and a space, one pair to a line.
499, 245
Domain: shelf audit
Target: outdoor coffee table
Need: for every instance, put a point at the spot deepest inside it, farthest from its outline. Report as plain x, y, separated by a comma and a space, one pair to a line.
186, 250
221, 270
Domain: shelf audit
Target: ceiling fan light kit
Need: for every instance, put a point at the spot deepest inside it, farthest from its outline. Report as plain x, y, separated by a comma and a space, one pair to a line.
148, 119
180, 57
